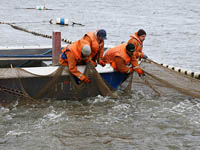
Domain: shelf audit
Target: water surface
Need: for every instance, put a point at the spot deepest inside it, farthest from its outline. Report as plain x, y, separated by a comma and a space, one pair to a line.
138, 121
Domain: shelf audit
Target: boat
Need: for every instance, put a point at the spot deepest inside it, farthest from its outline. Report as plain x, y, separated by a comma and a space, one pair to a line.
47, 83
27, 71
26, 56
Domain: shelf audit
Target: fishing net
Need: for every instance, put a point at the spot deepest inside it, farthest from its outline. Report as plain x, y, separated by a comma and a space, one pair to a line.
59, 85
96, 85
158, 78
164, 81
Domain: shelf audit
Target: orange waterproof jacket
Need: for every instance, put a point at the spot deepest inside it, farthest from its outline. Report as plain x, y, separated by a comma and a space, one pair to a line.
71, 56
120, 52
97, 47
136, 41
138, 45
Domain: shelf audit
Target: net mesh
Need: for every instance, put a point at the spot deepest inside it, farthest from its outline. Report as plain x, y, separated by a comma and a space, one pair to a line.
164, 81
97, 84
76, 89
161, 80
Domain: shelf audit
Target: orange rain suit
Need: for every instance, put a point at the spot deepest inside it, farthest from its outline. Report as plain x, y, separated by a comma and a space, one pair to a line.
71, 57
119, 59
97, 47
138, 45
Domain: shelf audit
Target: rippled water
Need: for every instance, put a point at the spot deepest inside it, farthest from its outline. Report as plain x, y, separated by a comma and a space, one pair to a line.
138, 121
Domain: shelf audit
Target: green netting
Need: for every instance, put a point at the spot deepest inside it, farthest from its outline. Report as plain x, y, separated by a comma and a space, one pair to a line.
164, 81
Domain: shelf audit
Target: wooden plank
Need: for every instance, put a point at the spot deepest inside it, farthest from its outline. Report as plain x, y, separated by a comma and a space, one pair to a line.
25, 58
56, 45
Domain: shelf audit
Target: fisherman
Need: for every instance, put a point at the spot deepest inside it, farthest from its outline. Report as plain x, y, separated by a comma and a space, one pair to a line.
121, 56
96, 42
75, 54
137, 39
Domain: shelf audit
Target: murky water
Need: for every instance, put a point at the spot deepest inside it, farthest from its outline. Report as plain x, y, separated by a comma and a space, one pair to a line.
138, 121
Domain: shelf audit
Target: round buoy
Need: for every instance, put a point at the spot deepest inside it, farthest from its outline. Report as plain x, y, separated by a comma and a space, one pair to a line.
62, 21
197, 75
165, 65
40, 7
184, 71
170, 67
177, 69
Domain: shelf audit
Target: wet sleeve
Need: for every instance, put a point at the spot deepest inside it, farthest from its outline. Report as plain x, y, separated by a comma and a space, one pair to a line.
72, 66
121, 66
139, 55
134, 61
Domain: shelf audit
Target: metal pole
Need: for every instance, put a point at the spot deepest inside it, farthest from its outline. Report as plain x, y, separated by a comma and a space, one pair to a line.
56, 46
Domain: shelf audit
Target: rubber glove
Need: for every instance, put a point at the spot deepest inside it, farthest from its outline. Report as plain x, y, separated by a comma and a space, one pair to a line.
86, 80
130, 70
102, 63
139, 71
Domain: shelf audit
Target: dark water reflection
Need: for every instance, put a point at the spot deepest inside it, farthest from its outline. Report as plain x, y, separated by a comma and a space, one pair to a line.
137, 121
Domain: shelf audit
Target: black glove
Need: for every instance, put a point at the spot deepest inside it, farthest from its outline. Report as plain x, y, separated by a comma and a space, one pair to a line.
145, 56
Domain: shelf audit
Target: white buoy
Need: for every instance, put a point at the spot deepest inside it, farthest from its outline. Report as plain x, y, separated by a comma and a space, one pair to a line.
62, 21
170, 67
184, 71
190, 73
165, 65
197, 75
177, 69
42, 7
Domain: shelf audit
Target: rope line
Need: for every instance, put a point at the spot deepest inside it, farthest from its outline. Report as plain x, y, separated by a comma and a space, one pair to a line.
195, 75
15, 92
35, 33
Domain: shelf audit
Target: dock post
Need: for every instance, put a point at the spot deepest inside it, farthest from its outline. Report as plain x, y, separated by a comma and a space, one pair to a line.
56, 46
